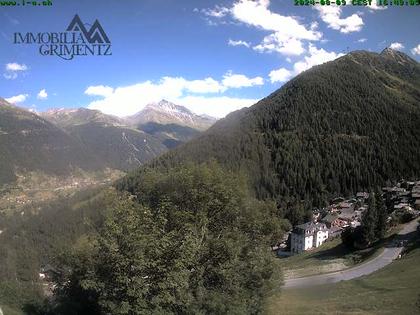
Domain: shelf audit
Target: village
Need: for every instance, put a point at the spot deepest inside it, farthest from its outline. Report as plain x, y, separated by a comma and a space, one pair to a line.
402, 201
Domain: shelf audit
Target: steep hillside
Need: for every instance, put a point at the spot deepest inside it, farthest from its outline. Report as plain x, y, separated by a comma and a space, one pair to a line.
119, 147
165, 112
171, 135
346, 125
29, 142
70, 117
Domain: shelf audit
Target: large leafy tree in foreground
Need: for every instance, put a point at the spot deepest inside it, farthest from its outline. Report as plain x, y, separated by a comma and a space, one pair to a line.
186, 241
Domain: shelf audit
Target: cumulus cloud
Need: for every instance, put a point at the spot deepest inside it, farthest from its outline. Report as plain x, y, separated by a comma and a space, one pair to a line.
232, 42
256, 13
331, 15
12, 70
416, 50
17, 99
280, 75
42, 95
397, 46
286, 46
287, 33
99, 90
362, 40
128, 100
314, 57
231, 80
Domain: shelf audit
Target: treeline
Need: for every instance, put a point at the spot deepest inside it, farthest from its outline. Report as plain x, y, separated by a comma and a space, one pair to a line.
39, 235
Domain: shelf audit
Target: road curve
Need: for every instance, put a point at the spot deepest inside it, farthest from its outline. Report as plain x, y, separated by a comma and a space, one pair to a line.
390, 253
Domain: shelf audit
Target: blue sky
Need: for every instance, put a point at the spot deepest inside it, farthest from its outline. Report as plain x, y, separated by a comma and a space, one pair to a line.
211, 56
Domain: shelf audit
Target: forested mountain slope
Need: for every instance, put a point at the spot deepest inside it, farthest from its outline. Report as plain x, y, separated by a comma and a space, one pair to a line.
346, 125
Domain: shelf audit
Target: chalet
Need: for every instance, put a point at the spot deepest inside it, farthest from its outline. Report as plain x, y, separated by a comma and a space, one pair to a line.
307, 236
330, 220
347, 215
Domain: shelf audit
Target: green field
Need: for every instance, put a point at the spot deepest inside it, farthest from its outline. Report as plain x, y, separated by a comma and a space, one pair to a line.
392, 290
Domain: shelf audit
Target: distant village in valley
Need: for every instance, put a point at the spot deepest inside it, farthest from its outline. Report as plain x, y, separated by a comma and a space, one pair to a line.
402, 201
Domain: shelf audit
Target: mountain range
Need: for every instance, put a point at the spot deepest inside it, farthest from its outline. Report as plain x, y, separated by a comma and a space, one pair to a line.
59, 141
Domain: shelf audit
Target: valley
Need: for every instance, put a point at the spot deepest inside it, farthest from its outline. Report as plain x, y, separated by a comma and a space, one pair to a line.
170, 212
35, 188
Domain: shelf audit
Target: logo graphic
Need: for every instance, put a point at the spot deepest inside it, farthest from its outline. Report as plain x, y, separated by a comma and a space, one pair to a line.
96, 33
77, 40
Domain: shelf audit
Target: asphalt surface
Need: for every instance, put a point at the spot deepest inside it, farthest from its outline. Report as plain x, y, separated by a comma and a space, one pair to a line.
390, 253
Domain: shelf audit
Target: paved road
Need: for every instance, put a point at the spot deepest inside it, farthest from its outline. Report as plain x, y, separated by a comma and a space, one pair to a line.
390, 253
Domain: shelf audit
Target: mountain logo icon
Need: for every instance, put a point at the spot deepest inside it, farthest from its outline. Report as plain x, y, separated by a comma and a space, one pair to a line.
95, 35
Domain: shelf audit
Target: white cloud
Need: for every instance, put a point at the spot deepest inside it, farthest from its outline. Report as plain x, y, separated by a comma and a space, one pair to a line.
217, 12
12, 70
42, 95
128, 100
16, 67
231, 80
397, 46
286, 46
362, 40
314, 57
17, 99
99, 90
287, 32
256, 13
416, 50
331, 15
232, 42
280, 75
207, 85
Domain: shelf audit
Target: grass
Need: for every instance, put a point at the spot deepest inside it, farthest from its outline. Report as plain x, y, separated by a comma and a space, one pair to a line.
394, 289
331, 256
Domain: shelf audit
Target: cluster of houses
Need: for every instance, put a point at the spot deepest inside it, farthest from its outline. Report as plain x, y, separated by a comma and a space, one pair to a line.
329, 222
404, 197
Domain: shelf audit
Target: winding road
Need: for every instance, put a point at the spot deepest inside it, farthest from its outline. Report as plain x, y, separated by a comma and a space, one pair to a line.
390, 253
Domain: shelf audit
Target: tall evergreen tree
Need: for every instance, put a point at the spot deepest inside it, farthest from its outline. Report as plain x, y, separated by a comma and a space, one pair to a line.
381, 216
369, 220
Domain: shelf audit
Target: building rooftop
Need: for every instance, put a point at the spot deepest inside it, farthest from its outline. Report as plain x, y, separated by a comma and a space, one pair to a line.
310, 228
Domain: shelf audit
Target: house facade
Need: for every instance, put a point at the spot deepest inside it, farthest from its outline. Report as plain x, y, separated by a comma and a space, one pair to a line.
307, 236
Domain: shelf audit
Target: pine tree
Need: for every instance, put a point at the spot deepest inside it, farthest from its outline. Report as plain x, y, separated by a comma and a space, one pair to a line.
381, 217
369, 221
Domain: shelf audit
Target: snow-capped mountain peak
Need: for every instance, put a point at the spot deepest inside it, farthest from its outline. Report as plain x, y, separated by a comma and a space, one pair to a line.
165, 112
